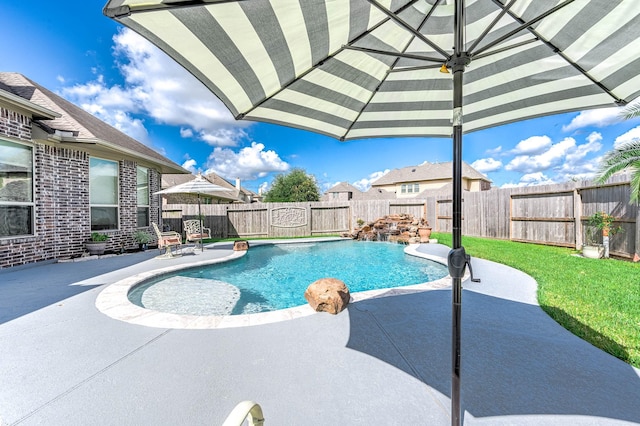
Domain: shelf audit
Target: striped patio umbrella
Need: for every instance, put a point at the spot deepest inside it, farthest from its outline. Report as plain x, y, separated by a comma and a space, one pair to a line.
199, 186
385, 68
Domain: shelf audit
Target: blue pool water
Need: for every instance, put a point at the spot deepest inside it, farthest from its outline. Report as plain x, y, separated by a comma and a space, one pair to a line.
273, 277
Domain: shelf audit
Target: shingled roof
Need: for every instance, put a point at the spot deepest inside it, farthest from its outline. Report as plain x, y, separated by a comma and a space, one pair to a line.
427, 171
77, 124
343, 187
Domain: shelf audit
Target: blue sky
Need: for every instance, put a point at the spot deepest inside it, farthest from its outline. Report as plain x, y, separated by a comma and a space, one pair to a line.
72, 49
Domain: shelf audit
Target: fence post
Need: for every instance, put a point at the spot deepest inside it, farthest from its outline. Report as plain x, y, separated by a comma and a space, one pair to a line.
577, 214
636, 254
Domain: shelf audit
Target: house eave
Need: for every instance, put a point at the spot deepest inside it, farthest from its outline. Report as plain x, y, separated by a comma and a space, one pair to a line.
163, 166
37, 112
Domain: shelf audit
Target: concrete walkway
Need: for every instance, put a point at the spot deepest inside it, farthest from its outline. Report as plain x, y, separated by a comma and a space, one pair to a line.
384, 361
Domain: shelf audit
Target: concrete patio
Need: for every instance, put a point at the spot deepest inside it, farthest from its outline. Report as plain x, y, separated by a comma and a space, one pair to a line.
384, 361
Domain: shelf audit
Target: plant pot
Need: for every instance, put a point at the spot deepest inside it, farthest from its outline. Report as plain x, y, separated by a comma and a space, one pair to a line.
95, 247
592, 252
143, 246
424, 233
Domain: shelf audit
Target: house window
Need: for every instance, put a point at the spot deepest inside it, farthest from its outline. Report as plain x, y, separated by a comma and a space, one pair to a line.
410, 188
142, 185
103, 194
403, 188
416, 187
16, 189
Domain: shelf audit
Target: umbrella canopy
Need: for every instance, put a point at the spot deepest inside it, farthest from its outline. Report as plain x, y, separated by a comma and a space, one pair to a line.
389, 68
198, 186
358, 69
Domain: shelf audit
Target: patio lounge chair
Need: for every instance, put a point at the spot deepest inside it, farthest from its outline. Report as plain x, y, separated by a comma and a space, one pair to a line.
192, 229
167, 240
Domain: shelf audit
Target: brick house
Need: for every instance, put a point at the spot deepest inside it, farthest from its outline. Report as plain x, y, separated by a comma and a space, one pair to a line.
65, 174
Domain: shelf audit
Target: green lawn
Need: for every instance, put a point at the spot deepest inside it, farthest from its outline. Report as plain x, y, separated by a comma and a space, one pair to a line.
596, 299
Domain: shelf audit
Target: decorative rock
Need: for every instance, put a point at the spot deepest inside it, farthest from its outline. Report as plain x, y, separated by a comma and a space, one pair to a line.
328, 295
240, 245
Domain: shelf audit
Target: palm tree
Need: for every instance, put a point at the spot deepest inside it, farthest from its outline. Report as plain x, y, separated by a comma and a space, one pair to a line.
624, 156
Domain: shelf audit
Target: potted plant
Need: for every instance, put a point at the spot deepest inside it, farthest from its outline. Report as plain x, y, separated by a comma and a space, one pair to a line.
424, 231
591, 249
97, 243
599, 222
143, 238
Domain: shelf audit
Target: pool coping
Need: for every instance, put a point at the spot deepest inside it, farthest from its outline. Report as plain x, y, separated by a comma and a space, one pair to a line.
113, 301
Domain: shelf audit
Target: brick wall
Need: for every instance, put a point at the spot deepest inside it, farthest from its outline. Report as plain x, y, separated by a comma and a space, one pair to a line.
15, 124
62, 212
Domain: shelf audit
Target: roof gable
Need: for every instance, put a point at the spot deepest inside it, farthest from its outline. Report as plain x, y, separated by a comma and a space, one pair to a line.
75, 120
426, 172
343, 187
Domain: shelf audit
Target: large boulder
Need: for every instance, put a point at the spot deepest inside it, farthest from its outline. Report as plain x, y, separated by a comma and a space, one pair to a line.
328, 295
240, 245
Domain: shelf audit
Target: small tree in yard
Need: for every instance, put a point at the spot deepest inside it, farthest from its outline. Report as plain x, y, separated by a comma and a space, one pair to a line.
294, 186
625, 156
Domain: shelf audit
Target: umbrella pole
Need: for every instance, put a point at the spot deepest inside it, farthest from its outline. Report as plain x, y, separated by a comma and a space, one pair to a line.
459, 61
200, 219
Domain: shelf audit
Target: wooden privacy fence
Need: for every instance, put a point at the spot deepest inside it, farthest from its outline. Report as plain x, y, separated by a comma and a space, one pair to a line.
549, 214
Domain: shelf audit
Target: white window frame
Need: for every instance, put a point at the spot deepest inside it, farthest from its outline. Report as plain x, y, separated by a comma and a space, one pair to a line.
148, 205
117, 205
32, 203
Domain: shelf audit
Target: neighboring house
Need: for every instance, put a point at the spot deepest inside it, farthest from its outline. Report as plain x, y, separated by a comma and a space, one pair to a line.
65, 174
409, 182
238, 194
342, 191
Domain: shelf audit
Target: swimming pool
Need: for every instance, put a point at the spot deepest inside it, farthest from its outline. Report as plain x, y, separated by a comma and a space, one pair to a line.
275, 276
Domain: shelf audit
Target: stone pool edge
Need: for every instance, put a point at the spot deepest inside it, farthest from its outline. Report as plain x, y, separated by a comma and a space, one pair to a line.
113, 301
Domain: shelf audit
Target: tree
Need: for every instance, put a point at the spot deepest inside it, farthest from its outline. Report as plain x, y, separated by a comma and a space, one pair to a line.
297, 185
625, 156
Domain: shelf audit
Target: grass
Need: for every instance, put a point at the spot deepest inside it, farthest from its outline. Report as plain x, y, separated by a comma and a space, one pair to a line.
598, 300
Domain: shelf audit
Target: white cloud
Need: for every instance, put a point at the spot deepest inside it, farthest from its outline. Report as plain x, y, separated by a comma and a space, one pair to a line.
551, 157
249, 163
365, 183
532, 145
494, 151
264, 187
530, 179
485, 165
190, 165
567, 160
223, 137
327, 185
594, 117
627, 137
157, 87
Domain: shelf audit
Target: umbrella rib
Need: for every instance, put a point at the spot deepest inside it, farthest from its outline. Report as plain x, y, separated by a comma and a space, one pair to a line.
391, 68
318, 64
394, 17
578, 68
396, 54
522, 25
491, 25
122, 11
418, 68
503, 49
